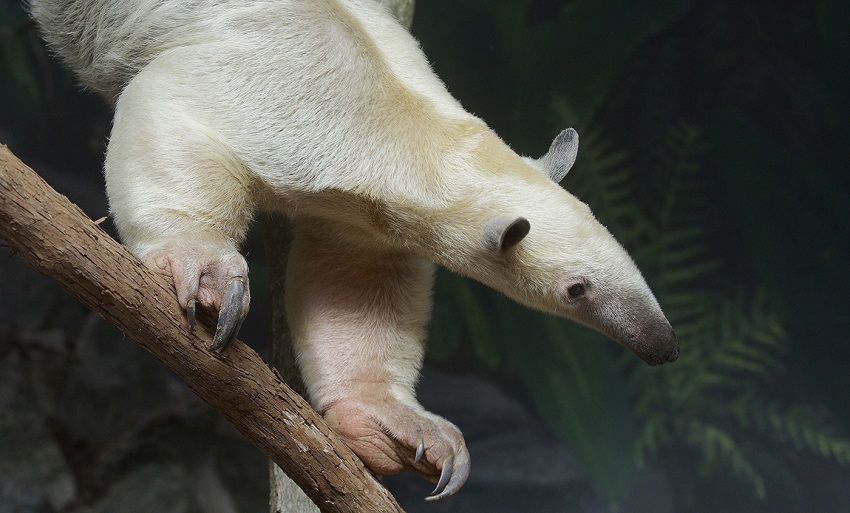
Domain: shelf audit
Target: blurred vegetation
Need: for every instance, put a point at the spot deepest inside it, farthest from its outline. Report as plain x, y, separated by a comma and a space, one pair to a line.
710, 148
713, 145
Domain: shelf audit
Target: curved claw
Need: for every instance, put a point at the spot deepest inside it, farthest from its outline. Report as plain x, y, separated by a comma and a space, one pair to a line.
445, 475
420, 451
230, 316
190, 314
451, 479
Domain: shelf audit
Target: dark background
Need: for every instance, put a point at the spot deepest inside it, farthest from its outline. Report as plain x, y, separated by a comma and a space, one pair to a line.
715, 140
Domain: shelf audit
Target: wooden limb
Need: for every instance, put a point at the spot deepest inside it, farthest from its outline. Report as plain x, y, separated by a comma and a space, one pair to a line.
55, 237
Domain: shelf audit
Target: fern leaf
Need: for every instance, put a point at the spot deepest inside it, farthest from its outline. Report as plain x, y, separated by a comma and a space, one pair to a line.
717, 444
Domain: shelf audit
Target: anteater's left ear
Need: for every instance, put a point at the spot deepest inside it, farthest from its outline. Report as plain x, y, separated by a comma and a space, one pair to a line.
561, 155
503, 233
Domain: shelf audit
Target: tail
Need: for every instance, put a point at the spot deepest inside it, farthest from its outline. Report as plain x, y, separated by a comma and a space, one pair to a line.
107, 42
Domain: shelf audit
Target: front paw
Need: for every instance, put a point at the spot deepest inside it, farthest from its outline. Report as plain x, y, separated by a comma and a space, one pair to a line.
212, 274
390, 436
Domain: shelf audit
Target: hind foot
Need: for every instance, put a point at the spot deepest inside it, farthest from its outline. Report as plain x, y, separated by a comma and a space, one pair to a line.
390, 436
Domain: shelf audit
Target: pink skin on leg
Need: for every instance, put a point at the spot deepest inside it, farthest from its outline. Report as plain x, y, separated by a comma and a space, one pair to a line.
358, 321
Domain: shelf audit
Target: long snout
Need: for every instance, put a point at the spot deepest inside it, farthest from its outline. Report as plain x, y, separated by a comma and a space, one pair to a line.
639, 326
656, 350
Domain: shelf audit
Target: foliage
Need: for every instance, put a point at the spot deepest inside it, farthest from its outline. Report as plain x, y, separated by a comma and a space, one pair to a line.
796, 224
717, 398
705, 400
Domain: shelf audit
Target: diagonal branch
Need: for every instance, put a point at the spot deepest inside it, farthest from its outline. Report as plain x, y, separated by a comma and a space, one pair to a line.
55, 237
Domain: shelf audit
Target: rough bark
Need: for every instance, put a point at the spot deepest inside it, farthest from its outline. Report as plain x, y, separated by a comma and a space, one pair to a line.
54, 236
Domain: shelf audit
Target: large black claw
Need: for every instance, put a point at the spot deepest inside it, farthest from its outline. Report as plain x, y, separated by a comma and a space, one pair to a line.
230, 316
451, 479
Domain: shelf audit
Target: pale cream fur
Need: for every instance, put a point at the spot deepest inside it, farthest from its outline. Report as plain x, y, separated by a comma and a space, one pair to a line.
328, 111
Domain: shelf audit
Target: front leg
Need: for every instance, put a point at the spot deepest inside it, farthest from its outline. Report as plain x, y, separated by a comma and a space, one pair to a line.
358, 319
180, 199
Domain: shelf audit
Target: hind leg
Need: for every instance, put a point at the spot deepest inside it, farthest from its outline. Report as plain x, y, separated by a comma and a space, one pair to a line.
358, 320
180, 200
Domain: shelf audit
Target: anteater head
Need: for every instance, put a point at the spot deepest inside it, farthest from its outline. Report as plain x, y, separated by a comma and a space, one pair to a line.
547, 250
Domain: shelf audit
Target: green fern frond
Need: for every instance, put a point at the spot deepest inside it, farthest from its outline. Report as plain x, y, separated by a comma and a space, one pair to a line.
718, 445
747, 337
655, 433
803, 426
731, 347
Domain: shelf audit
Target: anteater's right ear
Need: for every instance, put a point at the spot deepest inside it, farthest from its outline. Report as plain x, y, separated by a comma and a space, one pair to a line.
503, 233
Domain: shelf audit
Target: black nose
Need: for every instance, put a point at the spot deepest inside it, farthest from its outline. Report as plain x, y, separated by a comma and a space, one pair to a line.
673, 354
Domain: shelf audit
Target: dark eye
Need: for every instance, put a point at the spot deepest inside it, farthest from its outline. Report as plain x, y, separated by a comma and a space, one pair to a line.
576, 291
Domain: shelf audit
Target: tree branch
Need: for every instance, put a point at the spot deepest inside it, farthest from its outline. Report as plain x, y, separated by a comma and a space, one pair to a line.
55, 237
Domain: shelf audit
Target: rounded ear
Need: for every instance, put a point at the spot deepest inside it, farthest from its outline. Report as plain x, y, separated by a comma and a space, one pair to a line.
561, 155
502, 233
